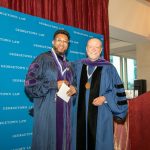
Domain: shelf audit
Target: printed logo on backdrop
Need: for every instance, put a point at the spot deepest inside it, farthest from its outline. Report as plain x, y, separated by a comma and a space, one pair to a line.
22, 38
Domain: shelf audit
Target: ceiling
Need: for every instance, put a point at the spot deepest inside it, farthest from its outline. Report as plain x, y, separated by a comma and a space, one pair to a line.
122, 49
119, 47
123, 43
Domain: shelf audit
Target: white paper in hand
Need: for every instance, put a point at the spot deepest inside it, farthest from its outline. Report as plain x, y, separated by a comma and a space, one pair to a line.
62, 93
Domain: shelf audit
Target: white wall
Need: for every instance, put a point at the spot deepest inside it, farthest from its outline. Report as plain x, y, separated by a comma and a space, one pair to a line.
143, 63
132, 19
131, 15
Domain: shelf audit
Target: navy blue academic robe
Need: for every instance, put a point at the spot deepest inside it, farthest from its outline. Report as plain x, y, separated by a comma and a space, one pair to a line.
100, 119
41, 86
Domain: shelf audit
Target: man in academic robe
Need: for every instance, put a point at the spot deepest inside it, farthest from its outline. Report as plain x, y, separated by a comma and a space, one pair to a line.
52, 116
101, 97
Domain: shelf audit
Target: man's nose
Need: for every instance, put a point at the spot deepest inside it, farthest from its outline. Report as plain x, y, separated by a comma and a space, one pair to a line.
93, 49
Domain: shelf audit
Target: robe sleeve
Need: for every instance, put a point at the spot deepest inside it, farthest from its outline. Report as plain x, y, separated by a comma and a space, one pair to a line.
73, 67
39, 79
115, 94
74, 83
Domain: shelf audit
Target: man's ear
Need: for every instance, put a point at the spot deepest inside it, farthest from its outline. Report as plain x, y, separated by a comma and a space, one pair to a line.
53, 42
101, 50
86, 49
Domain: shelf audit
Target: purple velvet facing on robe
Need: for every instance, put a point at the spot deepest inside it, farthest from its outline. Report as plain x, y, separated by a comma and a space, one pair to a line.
60, 108
99, 62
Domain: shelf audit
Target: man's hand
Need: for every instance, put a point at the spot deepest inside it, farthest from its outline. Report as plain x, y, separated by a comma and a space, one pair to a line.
60, 82
71, 91
99, 101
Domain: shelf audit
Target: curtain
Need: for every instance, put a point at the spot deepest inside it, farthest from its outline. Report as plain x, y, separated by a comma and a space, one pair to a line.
90, 15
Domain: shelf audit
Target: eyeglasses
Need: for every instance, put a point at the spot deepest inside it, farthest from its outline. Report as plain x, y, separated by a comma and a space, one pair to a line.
96, 47
61, 41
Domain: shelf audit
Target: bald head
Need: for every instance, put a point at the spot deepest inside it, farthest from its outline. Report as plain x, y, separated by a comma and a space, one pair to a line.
94, 40
93, 49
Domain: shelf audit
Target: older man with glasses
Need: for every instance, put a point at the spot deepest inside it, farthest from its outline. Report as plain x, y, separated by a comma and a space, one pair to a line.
100, 97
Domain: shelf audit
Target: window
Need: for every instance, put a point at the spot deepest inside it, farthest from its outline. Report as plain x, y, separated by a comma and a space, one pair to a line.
115, 60
131, 73
127, 70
